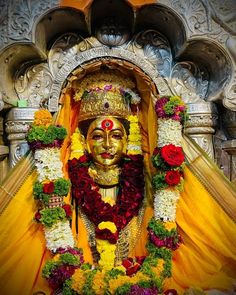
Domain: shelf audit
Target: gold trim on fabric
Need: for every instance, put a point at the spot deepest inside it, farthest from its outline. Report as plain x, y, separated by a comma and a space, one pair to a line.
15, 179
213, 179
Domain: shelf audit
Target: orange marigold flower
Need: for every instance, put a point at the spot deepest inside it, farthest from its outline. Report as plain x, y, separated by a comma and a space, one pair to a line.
42, 118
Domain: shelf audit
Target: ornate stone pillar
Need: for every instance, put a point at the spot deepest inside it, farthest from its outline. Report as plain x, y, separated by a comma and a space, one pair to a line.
17, 124
4, 151
229, 145
201, 125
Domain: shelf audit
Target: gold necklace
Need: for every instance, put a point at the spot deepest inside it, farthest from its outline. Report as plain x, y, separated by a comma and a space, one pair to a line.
103, 177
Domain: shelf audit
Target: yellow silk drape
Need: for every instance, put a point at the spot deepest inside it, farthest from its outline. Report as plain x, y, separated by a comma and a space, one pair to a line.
206, 259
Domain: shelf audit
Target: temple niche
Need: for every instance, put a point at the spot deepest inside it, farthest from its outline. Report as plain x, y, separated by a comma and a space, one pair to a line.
187, 48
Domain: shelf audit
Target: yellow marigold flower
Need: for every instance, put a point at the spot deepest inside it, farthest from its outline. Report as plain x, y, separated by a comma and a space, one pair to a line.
56, 257
120, 267
107, 254
77, 149
78, 280
116, 283
134, 138
108, 225
42, 117
98, 283
159, 268
133, 119
134, 128
170, 225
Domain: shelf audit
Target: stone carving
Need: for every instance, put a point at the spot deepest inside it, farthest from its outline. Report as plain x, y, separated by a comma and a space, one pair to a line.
112, 32
17, 124
3, 22
198, 19
201, 125
1, 101
34, 85
189, 82
63, 46
223, 12
72, 62
229, 98
23, 14
153, 46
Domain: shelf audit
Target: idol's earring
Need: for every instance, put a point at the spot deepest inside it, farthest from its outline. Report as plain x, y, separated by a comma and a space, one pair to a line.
77, 145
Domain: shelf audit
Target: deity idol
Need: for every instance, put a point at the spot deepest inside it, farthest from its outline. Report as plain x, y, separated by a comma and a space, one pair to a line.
124, 235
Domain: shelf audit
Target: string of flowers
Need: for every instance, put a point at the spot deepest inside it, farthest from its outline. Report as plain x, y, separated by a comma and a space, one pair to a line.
168, 159
49, 190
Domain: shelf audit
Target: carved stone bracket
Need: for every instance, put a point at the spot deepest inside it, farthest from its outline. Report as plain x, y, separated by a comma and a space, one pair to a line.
201, 125
17, 124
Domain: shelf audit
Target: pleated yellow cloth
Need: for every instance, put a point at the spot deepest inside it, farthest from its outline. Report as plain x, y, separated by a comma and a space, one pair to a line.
206, 259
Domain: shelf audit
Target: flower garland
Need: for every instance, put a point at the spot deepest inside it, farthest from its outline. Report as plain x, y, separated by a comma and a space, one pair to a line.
144, 275
49, 190
129, 199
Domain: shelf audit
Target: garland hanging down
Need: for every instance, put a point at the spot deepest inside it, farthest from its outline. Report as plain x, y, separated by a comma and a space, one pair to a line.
68, 271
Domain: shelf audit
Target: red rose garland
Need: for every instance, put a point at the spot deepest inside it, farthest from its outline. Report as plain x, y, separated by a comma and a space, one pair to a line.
130, 196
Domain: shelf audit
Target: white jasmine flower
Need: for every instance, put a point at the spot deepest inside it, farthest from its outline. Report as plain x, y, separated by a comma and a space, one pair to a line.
169, 131
165, 204
59, 235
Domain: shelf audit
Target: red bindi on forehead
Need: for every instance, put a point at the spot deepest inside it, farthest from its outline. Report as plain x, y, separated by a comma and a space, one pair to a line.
107, 124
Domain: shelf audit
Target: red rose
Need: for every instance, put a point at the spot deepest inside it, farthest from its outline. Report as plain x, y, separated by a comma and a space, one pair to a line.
172, 155
68, 210
172, 177
48, 188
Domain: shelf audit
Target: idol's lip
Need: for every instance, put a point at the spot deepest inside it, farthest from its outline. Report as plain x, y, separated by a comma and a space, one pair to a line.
107, 155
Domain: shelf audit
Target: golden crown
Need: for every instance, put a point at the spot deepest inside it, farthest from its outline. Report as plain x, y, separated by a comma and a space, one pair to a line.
105, 94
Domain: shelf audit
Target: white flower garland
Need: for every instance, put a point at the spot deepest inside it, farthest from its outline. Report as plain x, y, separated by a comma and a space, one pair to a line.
165, 200
48, 164
169, 131
165, 204
59, 236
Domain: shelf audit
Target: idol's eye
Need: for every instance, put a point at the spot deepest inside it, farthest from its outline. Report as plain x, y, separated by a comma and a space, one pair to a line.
97, 136
117, 136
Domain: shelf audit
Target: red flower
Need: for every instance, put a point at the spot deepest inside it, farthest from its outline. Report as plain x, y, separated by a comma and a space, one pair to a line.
133, 265
48, 188
172, 155
106, 234
86, 193
68, 210
172, 177
37, 216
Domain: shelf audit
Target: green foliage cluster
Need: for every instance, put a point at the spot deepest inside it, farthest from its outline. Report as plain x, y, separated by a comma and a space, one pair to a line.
46, 135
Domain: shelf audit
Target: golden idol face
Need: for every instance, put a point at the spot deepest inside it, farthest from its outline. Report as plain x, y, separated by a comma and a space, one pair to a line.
106, 141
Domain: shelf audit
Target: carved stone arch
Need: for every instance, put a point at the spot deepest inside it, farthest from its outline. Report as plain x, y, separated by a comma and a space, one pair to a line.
213, 62
167, 21
49, 26
81, 58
